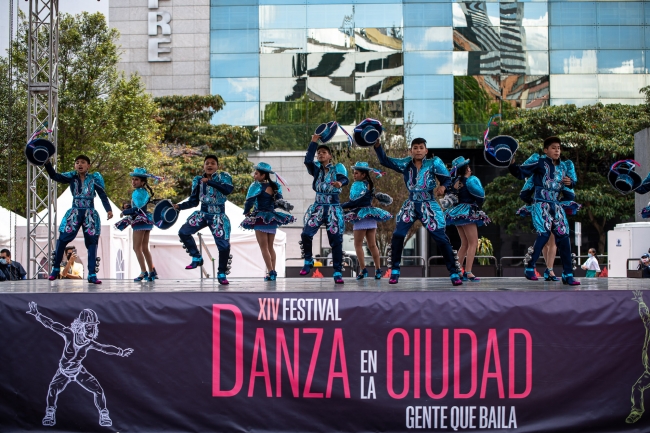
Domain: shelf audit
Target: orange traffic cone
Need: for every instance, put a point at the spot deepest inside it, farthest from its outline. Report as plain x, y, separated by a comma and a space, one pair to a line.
317, 274
538, 274
387, 274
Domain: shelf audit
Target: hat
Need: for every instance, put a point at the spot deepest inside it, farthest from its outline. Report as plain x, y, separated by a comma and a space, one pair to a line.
500, 150
327, 131
88, 317
39, 150
164, 214
142, 172
367, 132
263, 166
363, 166
458, 163
623, 177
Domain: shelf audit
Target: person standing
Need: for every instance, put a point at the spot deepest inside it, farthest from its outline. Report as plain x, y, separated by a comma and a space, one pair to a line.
72, 269
11, 269
591, 264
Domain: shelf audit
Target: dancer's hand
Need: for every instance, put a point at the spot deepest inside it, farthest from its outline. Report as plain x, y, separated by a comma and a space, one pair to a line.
377, 143
126, 352
336, 184
638, 296
566, 180
177, 207
33, 309
204, 179
315, 138
458, 185
512, 161
440, 190
109, 214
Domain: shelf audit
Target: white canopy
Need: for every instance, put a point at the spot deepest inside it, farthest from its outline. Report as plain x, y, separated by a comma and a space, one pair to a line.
8, 222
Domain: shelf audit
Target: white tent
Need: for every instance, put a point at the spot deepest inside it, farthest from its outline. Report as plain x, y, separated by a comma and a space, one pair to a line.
170, 258
9, 221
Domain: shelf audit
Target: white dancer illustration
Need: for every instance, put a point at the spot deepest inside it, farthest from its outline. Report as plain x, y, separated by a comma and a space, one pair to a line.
79, 339
644, 381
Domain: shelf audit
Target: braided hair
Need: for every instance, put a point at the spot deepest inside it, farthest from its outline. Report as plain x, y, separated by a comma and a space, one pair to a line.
266, 176
147, 187
368, 179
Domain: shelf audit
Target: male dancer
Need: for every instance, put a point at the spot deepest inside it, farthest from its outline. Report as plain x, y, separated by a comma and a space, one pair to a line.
420, 175
83, 186
328, 180
211, 190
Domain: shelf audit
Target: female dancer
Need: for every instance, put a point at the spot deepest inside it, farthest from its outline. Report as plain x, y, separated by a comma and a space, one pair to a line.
467, 215
263, 197
141, 222
365, 216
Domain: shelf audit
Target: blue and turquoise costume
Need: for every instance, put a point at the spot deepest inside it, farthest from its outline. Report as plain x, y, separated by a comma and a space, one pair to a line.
567, 196
361, 204
325, 210
260, 209
212, 196
137, 216
643, 189
546, 209
421, 205
471, 197
82, 214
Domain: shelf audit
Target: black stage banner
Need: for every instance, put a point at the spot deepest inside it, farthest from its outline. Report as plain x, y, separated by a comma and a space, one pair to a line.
343, 361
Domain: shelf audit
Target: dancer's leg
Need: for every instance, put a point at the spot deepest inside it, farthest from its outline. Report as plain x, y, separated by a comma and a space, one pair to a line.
138, 238
462, 251
359, 235
471, 233
371, 238
263, 241
270, 239
145, 249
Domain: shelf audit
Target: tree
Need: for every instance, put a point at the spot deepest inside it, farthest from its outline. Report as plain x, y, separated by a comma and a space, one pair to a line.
593, 138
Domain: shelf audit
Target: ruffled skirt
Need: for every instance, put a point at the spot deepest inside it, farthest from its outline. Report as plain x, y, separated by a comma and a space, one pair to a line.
466, 213
141, 221
368, 213
269, 219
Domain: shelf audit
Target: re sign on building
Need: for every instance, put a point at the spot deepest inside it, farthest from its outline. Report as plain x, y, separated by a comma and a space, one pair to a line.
159, 19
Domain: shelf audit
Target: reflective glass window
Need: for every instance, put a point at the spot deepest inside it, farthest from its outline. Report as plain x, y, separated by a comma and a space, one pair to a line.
493, 12
234, 65
572, 37
620, 37
622, 101
331, 64
429, 87
283, 41
283, 65
282, 89
430, 110
238, 114
236, 89
293, 112
379, 88
620, 13
234, 17
574, 86
576, 102
475, 14
537, 62
647, 12
620, 86
440, 136
384, 15
458, 14
379, 64
536, 37
282, 2
428, 39
573, 13
620, 62
232, 2
234, 41
573, 62
647, 37
427, 15
332, 88
535, 15
282, 16
326, 16
428, 62
330, 40
378, 39
482, 39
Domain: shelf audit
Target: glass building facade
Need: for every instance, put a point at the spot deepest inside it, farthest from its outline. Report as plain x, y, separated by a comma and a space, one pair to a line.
443, 67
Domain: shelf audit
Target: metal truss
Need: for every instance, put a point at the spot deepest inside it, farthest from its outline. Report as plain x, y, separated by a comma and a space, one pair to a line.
42, 62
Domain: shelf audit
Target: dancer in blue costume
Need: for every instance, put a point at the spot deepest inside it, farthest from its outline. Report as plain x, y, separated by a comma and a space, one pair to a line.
420, 176
83, 186
643, 189
263, 197
141, 221
329, 178
549, 177
466, 215
365, 216
211, 191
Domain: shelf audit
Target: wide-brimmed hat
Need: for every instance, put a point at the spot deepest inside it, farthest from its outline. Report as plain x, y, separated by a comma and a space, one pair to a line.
364, 166
326, 131
164, 214
623, 177
39, 150
263, 166
367, 132
500, 150
458, 163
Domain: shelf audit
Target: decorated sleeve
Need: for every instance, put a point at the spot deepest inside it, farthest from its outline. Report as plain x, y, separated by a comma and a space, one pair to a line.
645, 186
139, 198
251, 196
476, 189
396, 164
312, 166
441, 172
99, 189
571, 171
59, 177
342, 174
358, 193
194, 199
222, 182
527, 169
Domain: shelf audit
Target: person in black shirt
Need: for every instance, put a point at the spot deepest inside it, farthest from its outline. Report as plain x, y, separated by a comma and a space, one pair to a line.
644, 265
12, 270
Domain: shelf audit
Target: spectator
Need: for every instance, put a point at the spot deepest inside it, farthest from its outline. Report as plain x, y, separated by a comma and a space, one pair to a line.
12, 270
73, 269
644, 265
591, 264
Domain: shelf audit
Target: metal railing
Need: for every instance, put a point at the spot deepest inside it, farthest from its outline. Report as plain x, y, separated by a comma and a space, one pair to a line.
542, 261
346, 260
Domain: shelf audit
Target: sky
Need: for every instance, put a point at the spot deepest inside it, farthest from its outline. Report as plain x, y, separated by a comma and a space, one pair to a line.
65, 6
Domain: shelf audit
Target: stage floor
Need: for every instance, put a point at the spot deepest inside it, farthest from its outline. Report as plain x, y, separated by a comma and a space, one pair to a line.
315, 285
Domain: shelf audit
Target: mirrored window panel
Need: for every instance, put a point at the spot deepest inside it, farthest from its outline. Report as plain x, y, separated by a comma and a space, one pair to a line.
281, 2
238, 114
576, 102
283, 41
573, 62
331, 64
481, 88
282, 113
429, 87
372, 15
620, 37
282, 89
438, 136
572, 37
379, 39
283, 65
232, 2
282, 16
284, 137
475, 14
330, 40
525, 91
647, 12
427, 15
573, 13
620, 86
325, 16
379, 88
379, 64
537, 62
574, 86
234, 17
430, 110
460, 62
236, 89
428, 39
234, 65
620, 13
481, 63
331, 88
621, 62
234, 41
622, 101
429, 62
477, 39
534, 15
535, 38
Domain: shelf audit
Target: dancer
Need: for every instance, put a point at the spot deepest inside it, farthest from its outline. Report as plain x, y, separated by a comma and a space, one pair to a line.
263, 197
141, 222
211, 191
364, 216
643, 189
420, 175
83, 187
549, 176
467, 215
329, 178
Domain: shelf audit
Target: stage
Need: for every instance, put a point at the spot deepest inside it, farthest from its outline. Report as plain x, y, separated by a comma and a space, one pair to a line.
317, 285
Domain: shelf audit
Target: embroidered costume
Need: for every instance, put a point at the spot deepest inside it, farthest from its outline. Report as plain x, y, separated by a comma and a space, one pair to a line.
82, 214
212, 196
644, 188
546, 208
471, 197
421, 205
363, 214
137, 215
260, 209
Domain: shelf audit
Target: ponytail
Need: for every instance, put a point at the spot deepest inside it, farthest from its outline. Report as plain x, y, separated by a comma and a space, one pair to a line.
148, 188
273, 185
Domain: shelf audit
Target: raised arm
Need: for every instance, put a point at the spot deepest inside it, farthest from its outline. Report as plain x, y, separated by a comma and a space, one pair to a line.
58, 177
194, 198
399, 165
46, 321
311, 165
527, 169
223, 183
